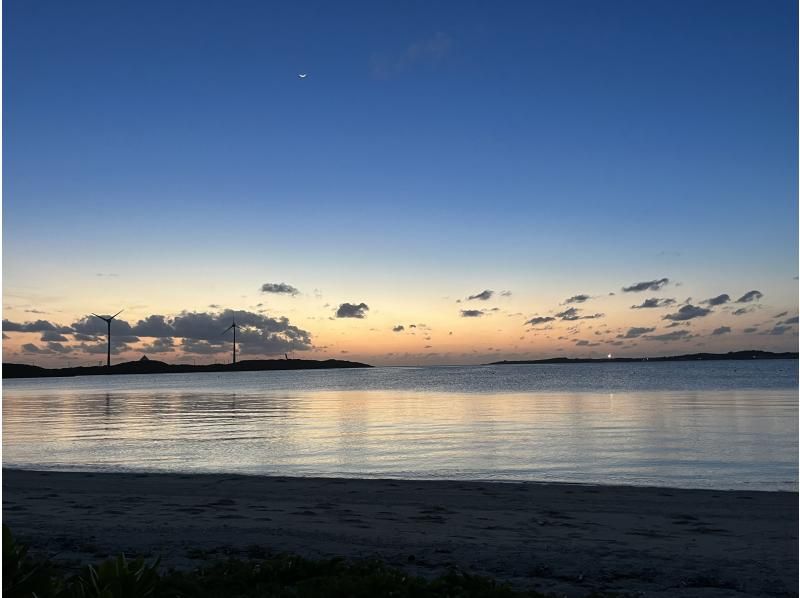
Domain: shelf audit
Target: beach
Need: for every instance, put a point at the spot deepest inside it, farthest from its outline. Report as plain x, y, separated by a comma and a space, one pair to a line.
569, 539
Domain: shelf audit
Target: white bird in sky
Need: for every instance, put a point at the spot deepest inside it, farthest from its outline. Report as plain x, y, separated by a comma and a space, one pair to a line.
303, 75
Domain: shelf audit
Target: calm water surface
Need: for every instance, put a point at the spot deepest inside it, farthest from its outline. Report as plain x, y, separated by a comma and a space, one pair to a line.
694, 425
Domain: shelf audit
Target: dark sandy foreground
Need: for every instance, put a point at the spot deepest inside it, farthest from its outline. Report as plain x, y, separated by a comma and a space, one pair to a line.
568, 539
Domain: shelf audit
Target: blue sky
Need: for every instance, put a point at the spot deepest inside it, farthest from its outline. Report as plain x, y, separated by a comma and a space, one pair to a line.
435, 147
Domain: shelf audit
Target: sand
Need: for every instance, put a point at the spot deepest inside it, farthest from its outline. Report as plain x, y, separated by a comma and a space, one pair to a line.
563, 538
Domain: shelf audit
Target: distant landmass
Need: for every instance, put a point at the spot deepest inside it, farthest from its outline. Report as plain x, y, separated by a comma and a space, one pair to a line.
733, 355
150, 366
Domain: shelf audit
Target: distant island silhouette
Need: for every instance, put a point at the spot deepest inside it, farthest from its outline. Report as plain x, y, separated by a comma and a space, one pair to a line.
732, 355
150, 366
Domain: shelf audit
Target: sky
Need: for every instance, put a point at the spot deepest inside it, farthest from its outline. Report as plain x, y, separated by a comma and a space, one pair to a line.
165, 158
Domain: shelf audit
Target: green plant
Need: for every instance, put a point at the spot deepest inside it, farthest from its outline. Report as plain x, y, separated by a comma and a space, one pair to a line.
116, 578
22, 577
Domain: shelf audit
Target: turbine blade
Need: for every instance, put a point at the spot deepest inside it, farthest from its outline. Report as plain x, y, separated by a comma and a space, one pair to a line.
226, 330
116, 314
96, 316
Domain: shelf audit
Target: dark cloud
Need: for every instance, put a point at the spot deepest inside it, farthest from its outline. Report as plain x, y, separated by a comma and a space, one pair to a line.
779, 330
95, 326
160, 345
654, 302
100, 348
259, 334
581, 343
650, 285
670, 336
31, 348
482, 296
53, 336
79, 336
750, 296
718, 300
536, 320
790, 321
196, 347
688, 312
153, 326
675, 324
578, 299
280, 288
398, 328
571, 314
636, 332
59, 348
741, 311
471, 313
505, 293
202, 332
750, 330
37, 326
721, 330
35, 311
351, 310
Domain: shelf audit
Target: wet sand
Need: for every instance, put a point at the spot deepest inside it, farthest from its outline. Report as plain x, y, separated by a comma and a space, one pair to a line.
563, 538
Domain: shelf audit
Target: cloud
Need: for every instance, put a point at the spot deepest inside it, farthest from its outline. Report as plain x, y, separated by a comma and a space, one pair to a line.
482, 296
654, 302
153, 326
280, 288
650, 285
741, 311
688, 312
398, 328
95, 326
351, 310
790, 321
578, 299
721, 330
636, 332
35, 311
536, 320
425, 53
37, 326
471, 313
505, 293
59, 348
718, 300
53, 336
160, 345
670, 336
779, 330
571, 314
750, 296
31, 348
750, 330
202, 332
189, 345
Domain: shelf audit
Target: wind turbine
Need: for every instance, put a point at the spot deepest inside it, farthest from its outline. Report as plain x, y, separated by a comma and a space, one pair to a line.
107, 320
234, 326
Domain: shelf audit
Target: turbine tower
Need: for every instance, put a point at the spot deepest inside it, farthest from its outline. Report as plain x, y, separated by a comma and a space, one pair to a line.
107, 320
234, 326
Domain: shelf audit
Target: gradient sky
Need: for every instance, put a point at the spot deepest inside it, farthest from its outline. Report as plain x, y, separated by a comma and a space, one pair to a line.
165, 158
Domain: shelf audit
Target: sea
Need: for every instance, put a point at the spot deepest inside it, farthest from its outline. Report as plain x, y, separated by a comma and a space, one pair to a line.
704, 424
